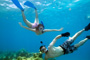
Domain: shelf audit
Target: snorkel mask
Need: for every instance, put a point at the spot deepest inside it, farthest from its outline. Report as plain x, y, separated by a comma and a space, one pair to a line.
43, 49
41, 28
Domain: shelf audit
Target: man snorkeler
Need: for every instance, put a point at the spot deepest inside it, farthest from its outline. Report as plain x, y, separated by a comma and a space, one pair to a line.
66, 47
36, 26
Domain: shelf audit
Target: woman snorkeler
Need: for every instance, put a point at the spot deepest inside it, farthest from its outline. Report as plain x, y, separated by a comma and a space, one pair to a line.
36, 27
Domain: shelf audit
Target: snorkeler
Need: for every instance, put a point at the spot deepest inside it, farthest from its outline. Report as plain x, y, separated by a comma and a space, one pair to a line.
66, 47
36, 27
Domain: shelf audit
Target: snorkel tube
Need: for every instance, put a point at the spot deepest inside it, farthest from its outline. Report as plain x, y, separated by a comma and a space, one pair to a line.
43, 44
42, 24
46, 50
40, 27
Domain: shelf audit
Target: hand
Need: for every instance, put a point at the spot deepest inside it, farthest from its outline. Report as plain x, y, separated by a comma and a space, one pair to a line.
60, 29
20, 23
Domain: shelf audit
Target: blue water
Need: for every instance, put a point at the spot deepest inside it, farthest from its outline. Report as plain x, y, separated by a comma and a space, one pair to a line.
72, 15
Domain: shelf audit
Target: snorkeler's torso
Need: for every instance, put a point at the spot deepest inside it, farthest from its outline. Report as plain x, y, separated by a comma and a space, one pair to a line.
54, 52
34, 25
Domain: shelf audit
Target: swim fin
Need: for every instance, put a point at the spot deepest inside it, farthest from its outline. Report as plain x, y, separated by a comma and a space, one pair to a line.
88, 36
87, 27
16, 2
29, 4
65, 34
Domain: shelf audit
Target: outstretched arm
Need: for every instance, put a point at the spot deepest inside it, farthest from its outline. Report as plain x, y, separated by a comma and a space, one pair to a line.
57, 37
26, 27
48, 30
54, 40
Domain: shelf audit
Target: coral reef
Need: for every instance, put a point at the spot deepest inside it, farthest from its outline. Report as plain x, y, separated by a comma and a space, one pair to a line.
21, 55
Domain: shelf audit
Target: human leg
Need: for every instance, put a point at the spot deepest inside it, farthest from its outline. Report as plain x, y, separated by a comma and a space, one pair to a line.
81, 31
82, 42
29, 24
36, 19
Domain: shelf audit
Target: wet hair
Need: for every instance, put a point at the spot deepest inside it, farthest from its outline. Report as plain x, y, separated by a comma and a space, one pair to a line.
37, 28
41, 47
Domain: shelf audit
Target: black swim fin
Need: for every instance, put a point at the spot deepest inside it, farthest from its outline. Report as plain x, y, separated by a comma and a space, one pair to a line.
66, 34
88, 37
87, 27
